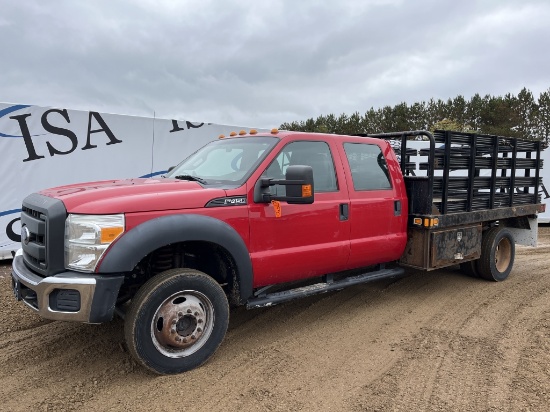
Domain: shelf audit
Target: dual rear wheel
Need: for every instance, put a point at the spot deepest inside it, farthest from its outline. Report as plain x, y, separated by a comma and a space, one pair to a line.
498, 250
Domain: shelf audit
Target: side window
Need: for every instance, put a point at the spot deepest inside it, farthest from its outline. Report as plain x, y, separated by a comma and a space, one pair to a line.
369, 169
314, 154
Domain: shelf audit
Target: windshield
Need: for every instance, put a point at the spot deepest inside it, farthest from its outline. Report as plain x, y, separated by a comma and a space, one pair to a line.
225, 162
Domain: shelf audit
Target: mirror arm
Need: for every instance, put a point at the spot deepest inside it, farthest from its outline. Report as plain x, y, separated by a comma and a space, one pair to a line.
266, 182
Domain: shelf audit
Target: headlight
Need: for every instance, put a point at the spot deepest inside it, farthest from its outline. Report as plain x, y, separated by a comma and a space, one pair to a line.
87, 237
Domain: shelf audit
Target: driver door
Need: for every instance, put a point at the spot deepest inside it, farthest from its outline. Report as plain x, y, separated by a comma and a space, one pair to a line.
301, 241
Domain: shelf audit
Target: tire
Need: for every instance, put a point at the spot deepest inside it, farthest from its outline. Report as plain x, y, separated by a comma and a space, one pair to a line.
176, 321
498, 250
470, 268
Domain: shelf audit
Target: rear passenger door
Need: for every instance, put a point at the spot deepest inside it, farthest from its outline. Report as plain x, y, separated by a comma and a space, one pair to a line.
378, 228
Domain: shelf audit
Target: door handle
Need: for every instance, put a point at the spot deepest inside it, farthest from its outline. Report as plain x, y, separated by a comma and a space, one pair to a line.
344, 211
397, 208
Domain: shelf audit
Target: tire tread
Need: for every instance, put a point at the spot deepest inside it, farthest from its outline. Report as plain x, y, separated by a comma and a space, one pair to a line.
144, 294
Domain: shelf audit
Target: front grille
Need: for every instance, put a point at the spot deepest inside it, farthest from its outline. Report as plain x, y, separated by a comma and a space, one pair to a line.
34, 246
33, 213
42, 234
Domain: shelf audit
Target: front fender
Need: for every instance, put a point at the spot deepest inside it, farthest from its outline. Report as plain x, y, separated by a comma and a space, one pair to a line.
143, 239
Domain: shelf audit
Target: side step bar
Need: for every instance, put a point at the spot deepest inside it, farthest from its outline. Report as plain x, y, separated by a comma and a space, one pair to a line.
269, 299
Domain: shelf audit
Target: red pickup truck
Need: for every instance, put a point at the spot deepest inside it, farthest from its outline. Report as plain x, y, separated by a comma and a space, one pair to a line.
257, 219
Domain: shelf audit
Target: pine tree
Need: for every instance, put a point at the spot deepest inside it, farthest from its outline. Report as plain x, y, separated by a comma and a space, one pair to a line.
526, 112
543, 118
508, 115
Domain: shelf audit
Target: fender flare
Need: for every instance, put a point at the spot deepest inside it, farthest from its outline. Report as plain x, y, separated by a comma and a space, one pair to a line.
153, 234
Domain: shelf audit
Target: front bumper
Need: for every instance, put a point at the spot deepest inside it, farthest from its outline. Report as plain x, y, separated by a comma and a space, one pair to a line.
69, 296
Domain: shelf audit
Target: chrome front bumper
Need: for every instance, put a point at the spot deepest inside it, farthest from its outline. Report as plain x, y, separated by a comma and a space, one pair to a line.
84, 298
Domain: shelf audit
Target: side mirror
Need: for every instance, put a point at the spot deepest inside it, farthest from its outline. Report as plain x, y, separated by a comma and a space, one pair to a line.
299, 186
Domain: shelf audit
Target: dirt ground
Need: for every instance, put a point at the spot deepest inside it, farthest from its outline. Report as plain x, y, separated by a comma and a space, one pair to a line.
437, 341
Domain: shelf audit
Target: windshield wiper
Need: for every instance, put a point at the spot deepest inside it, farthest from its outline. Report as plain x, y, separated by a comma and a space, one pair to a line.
193, 178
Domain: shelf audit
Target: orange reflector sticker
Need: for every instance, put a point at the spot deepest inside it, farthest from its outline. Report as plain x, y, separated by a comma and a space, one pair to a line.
108, 234
428, 222
306, 190
277, 207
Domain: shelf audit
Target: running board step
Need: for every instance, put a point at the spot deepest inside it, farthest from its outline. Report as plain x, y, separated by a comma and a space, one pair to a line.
270, 299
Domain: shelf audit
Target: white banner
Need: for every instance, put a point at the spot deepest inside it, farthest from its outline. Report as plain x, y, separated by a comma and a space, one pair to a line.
545, 173
43, 147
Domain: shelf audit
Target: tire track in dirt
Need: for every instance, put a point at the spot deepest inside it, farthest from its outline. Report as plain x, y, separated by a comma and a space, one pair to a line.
429, 341
530, 387
468, 358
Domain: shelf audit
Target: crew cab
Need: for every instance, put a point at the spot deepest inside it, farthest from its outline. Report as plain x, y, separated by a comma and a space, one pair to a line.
257, 219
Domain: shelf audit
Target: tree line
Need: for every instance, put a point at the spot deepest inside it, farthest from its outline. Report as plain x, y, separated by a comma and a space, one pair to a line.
510, 115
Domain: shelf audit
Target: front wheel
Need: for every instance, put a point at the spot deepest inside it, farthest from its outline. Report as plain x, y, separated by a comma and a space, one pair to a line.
498, 250
176, 321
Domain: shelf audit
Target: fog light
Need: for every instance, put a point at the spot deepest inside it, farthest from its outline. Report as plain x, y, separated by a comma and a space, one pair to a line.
65, 300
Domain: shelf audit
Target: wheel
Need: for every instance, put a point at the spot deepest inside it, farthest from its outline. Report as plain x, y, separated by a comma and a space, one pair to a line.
498, 250
470, 268
176, 321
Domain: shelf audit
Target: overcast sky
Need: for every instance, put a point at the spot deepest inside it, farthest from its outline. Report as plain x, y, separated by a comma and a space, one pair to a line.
261, 63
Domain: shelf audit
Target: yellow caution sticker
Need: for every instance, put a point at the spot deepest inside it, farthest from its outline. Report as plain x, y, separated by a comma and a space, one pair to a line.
277, 207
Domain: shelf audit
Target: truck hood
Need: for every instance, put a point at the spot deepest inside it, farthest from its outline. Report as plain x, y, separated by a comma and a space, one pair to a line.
133, 195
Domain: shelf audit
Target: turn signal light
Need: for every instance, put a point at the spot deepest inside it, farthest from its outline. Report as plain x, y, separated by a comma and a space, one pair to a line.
108, 234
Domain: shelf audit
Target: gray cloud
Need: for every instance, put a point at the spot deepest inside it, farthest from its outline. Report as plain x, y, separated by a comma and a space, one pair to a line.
263, 63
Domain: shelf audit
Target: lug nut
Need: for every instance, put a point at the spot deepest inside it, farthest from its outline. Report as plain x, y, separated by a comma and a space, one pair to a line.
199, 330
184, 340
199, 320
189, 311
180, 314
196, 313
193, 337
